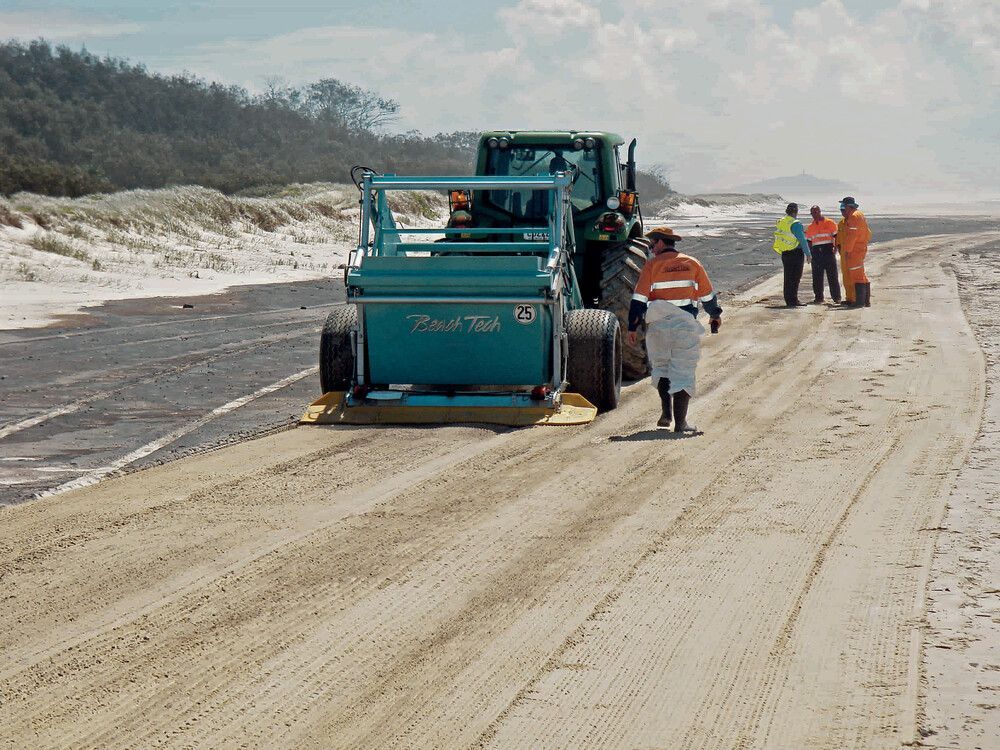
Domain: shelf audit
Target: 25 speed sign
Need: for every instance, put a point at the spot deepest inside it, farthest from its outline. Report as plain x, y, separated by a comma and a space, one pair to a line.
524, 314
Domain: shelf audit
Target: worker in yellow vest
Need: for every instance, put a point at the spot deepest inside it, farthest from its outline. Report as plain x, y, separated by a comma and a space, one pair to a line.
791, 244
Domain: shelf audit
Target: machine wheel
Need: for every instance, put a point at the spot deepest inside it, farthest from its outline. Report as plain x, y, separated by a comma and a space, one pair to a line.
336, 354
594, 366
620, 269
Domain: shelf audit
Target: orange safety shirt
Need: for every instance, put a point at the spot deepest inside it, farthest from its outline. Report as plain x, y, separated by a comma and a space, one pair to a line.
853, 234
822, 232
676, 278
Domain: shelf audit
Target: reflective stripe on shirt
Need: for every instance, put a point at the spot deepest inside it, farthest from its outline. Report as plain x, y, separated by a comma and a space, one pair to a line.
673, 284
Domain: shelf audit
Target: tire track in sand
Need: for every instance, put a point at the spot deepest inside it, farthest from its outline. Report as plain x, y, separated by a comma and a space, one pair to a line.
643, 697
541, 447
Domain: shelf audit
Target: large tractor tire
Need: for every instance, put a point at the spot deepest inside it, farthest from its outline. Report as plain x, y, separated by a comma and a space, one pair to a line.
620, 269
594, 366
336, 354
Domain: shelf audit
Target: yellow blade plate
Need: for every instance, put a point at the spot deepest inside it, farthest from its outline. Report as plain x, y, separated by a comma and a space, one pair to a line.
330, 409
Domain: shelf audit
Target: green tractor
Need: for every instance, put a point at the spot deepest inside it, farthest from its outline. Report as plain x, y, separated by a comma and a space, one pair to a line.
610, 248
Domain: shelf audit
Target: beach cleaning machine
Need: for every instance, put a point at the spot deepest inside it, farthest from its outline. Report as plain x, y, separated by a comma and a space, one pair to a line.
467, 324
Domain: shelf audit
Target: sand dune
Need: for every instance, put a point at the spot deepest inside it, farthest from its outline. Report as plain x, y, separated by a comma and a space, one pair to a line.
59, 254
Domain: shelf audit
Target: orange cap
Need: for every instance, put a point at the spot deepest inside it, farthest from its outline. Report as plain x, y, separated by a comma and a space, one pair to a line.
664, 233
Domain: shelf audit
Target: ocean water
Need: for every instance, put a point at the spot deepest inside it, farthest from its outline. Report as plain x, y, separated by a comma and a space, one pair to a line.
696, 220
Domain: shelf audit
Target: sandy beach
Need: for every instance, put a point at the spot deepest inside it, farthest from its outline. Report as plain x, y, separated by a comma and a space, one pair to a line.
817, 569
961, 662
259, 261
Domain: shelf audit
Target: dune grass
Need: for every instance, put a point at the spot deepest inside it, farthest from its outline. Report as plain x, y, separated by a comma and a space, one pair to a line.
50, 243
176, 232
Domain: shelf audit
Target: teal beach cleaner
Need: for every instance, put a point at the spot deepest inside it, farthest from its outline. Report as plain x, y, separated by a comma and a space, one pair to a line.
467, 323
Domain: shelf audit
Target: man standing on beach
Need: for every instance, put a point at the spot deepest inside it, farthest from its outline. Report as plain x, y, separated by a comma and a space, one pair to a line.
821, 234
853, 235
791, 244
666, 296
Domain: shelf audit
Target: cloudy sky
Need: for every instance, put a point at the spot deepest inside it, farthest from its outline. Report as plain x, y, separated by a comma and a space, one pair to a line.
889, 95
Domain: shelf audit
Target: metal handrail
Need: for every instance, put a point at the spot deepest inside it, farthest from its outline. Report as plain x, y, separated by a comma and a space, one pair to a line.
559, 182
476, 182
402, 300
475, 231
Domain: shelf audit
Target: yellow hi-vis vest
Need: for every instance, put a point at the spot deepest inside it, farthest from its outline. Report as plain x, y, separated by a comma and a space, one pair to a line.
784, 240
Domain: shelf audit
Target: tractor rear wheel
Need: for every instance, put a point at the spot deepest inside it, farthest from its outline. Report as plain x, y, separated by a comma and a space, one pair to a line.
620, 269
336, 353
594, 366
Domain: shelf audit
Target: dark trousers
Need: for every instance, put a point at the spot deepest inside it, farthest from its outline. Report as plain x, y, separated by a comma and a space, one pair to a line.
792, 261
825, 262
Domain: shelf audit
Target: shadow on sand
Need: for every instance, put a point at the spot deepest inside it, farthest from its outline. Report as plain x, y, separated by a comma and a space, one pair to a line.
646, 435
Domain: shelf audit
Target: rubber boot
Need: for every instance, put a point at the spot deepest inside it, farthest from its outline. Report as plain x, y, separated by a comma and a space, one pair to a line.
666, 417
868, 294
859, 295
681, 401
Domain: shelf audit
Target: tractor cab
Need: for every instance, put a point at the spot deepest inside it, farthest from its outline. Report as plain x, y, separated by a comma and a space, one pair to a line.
603, 197
583, 166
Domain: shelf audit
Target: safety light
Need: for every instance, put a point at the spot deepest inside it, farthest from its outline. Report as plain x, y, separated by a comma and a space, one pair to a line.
460, 200
504, 142
626, 201
589, 143
578, 144
611, 222
613, 202
359, 392
540, 392
460, 219
492, 143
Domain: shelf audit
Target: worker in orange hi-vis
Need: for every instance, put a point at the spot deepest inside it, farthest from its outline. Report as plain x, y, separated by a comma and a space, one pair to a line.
666, 296
821, 234
853, 236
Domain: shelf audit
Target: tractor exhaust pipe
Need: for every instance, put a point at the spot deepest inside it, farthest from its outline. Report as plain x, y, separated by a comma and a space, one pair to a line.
630, 167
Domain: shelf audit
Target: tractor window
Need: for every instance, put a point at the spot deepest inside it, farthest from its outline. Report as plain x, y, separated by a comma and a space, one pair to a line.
584, 166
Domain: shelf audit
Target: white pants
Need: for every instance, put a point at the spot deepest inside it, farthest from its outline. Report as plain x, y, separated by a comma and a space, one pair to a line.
673, 341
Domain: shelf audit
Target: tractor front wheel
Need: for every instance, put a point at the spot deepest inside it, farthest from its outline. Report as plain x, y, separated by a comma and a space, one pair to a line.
336, 352
620, 269
594, 365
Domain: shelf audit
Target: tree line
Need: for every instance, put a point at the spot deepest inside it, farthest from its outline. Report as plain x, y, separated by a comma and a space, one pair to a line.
73, 123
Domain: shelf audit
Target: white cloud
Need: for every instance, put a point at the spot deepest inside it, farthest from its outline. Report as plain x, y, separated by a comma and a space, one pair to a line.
548, 17
674, 40
973, 24
722, 91
62, 26
438, 80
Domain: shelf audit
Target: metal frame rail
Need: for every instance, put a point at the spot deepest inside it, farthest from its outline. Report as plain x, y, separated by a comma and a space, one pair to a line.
559, 231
